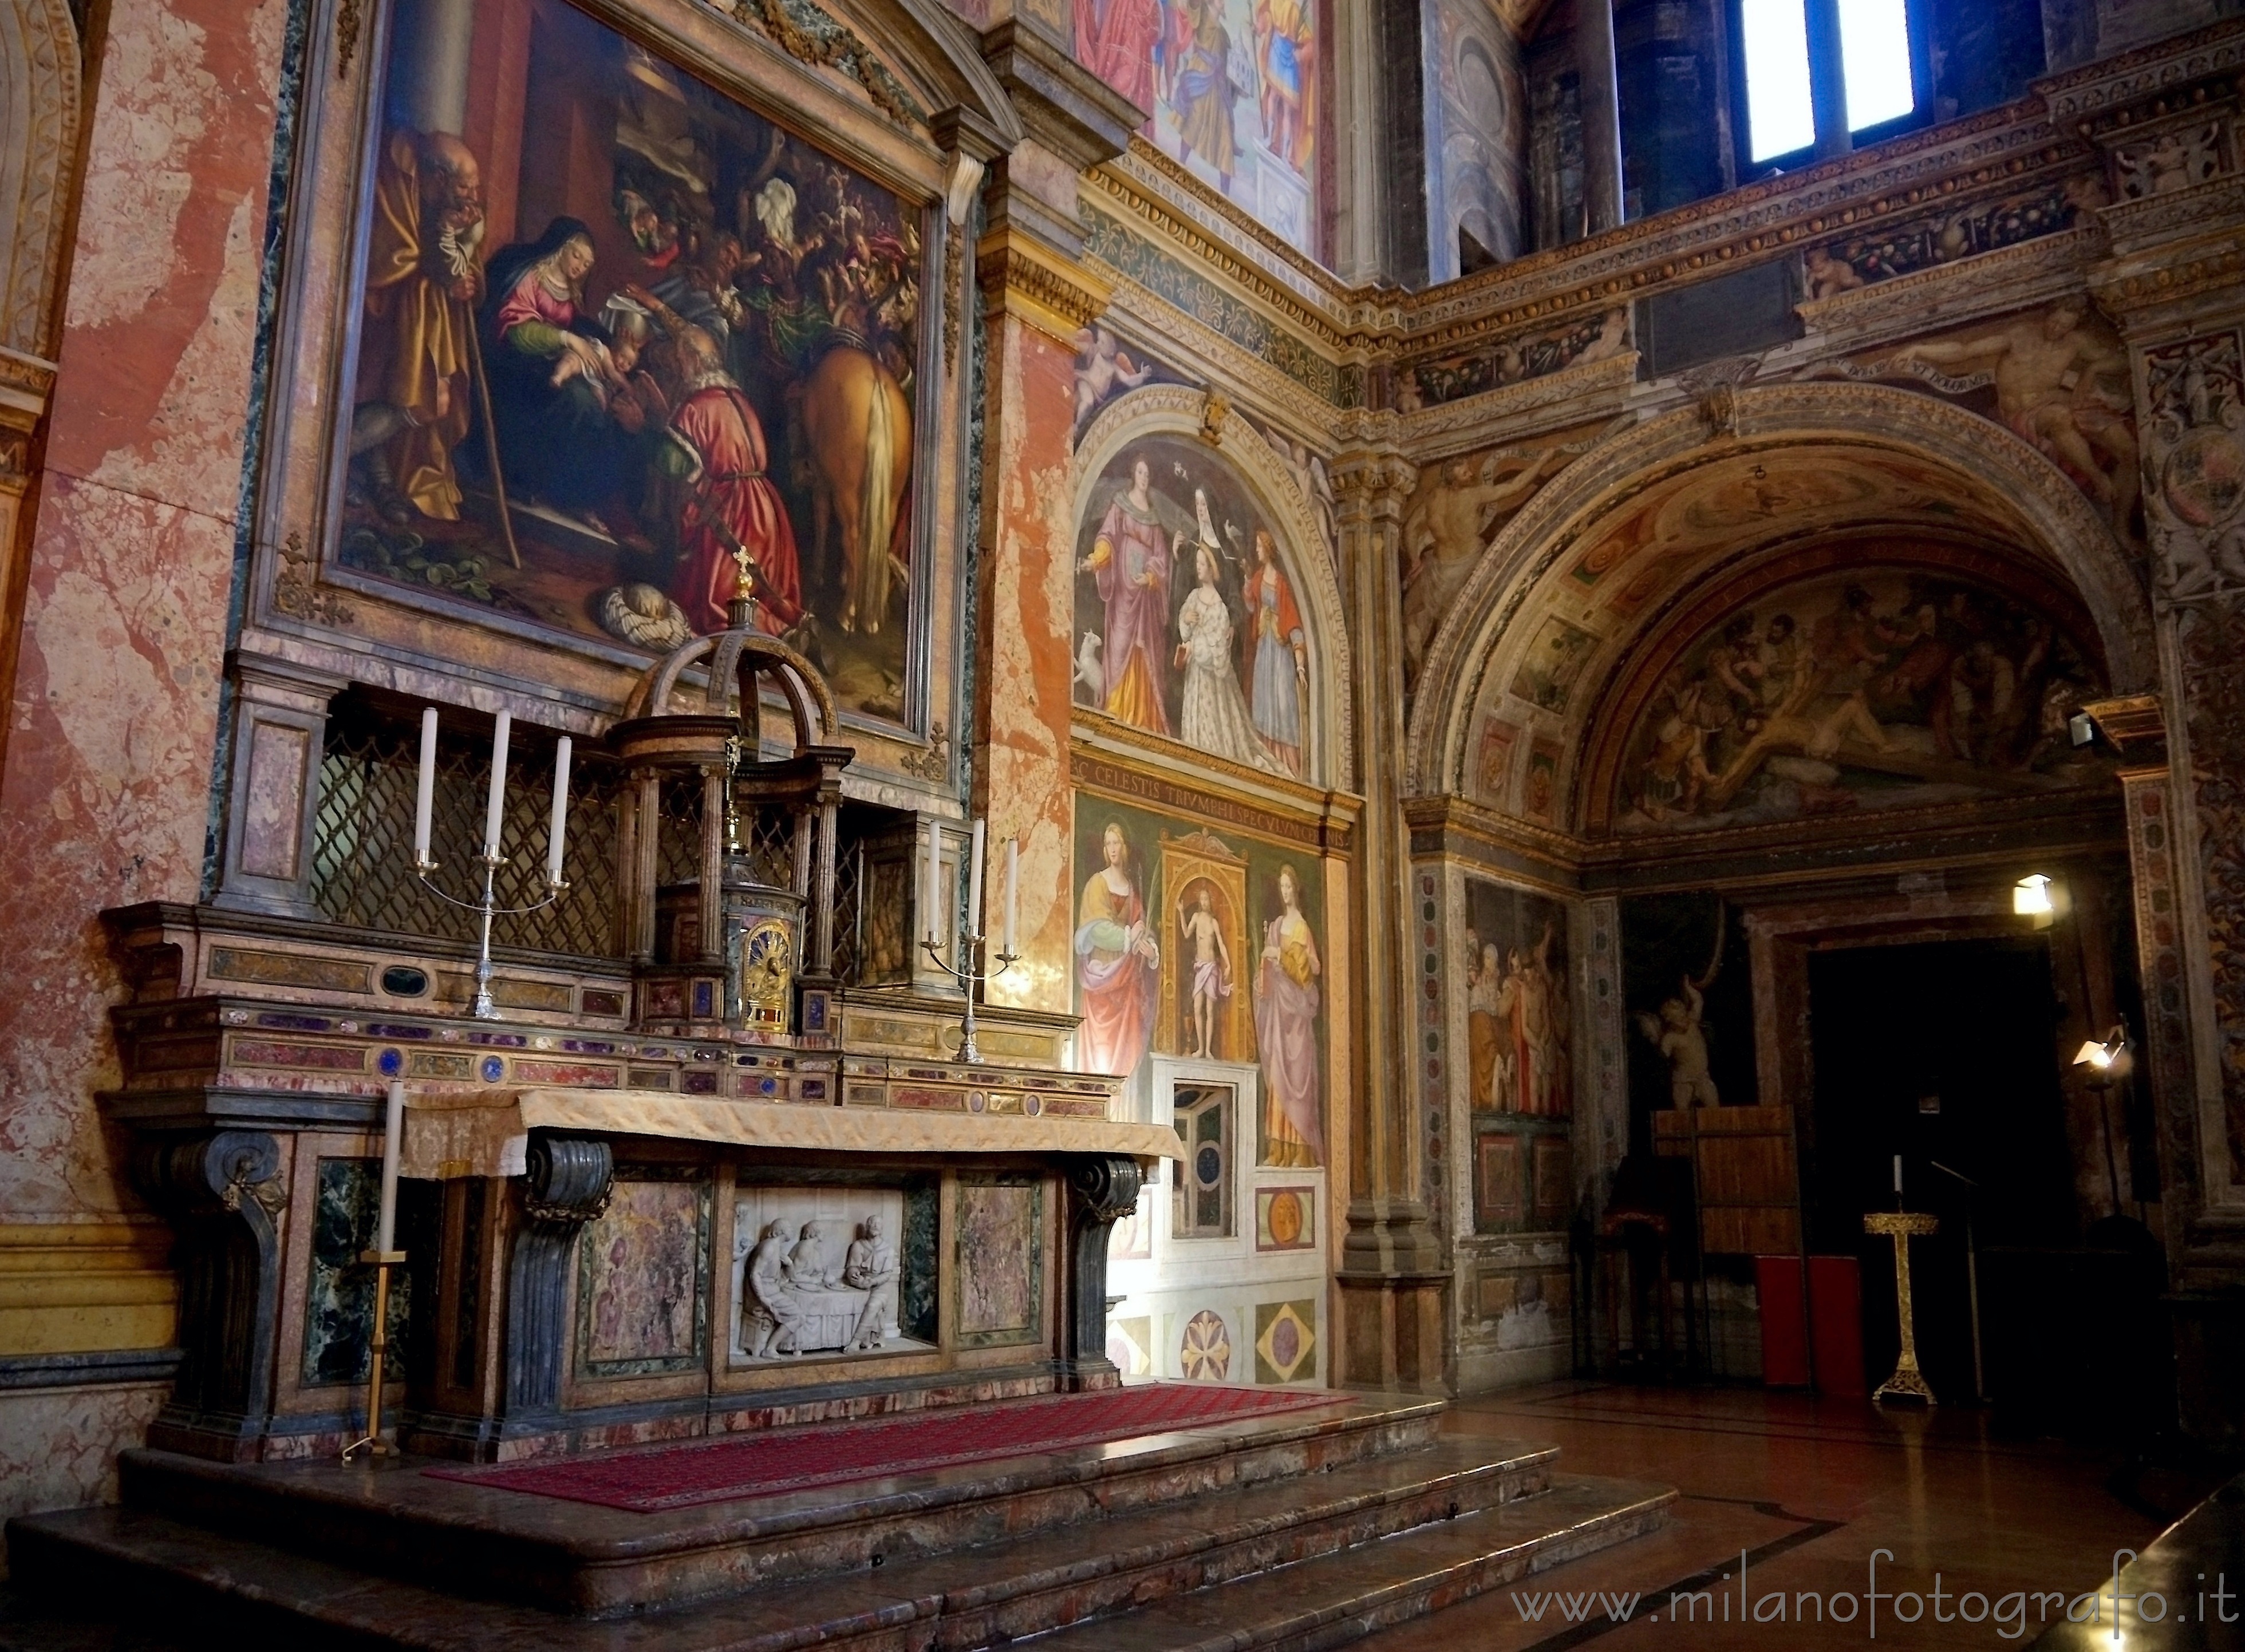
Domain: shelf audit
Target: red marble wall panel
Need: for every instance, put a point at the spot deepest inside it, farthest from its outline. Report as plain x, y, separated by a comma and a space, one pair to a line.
1031, 611
106, 798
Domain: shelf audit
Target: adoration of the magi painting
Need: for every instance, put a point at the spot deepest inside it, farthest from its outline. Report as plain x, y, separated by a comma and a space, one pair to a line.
1187, 625
619, 334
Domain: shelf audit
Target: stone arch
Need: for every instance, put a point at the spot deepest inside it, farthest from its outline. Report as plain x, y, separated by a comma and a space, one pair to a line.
1169, 410
39, 91
1984, 456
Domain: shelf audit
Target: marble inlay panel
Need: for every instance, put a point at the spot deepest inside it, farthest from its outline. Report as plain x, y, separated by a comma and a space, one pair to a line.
339, 1300
1000, 1266
642, 1290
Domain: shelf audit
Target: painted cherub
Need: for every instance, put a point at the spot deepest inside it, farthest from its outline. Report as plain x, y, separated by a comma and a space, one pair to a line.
1678, 1031
1211, 977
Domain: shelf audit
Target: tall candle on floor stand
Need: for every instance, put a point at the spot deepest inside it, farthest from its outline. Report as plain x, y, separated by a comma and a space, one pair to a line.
974, 884
930, 882
424, 794
495, 806
393, 1132
1013, 892
558, 826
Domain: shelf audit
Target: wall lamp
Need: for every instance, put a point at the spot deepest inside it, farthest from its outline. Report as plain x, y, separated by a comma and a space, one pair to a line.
2031, 897
2108, 1060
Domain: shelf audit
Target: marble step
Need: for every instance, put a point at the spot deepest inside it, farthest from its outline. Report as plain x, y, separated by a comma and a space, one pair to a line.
1340, 1598
583, 1558
195, 1584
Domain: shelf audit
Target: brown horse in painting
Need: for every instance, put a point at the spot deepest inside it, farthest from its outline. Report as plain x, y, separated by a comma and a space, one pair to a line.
858, 425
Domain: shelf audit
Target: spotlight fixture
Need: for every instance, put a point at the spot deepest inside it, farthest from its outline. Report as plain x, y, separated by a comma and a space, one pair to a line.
2081, 729
2108, 1059
2031, 899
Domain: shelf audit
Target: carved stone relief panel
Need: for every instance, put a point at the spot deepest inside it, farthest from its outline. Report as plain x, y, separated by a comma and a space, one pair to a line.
823, 1271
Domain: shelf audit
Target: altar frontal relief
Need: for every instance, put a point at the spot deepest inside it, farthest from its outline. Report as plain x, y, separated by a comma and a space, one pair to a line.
616, 330
1871, 688
1189, 624
1207, 944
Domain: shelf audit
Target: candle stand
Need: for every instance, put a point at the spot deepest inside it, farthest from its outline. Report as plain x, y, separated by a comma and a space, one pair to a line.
485, 909
1902, 1226
970, 974
371, 1443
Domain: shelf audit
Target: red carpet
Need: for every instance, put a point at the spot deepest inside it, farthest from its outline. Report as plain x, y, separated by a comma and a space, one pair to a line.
649, 1478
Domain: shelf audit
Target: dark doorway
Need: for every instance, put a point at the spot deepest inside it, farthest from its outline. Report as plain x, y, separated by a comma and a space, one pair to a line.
1944, 1054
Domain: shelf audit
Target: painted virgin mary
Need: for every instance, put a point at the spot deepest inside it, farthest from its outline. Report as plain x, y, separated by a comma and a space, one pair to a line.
1117, 962
551, 375
1286, 1000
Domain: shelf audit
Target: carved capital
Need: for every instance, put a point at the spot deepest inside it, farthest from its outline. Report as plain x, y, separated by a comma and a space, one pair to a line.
1101, 1191
1370, 485
211, 1176
1038, 286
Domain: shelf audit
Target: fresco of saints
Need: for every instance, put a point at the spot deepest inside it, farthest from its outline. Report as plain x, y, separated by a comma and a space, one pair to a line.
1115, 39
422, 283
1130, 560
1200, 85
1278, 658
1286, 1000
1214, 716
1118, 962
1284, 51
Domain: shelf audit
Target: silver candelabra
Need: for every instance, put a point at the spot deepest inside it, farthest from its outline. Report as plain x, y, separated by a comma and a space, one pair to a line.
485, 909
970, 974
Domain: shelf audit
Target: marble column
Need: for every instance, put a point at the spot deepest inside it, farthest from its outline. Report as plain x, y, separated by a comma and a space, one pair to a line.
1599, 90
25, 382
1036, 295
1392, 1280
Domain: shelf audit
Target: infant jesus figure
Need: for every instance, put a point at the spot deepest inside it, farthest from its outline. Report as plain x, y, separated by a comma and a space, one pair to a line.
1211, 977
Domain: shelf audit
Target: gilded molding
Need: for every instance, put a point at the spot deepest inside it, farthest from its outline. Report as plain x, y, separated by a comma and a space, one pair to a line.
2010, 276
1035, 285
346, 25
2144, 72
296, 589
809, 36
39, 41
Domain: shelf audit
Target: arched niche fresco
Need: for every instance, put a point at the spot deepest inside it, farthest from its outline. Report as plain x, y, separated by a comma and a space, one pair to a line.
1873, 674
1197, 619
617, 331
1567, 590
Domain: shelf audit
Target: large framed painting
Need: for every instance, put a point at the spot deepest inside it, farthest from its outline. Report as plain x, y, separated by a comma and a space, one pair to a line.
623, 341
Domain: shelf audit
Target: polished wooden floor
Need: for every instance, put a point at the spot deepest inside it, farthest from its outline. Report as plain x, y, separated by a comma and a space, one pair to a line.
1808, 1490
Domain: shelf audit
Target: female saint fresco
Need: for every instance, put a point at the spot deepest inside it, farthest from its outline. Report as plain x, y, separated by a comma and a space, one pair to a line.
1118, 962
1286, 1000
1130, 560
1278, 657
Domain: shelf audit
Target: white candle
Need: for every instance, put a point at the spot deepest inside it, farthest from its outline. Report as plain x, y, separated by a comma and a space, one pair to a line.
424, 795
1897, 1173
974, 884
931, 880
393, 1131
496, 806
1013, 891
557, 828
